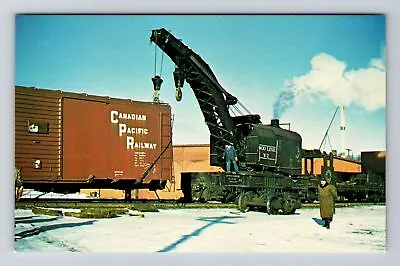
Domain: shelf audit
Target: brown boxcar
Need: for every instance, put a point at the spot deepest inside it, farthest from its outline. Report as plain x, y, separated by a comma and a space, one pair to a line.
65, 141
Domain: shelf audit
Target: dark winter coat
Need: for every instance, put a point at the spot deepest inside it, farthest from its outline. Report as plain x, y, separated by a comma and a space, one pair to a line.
327, 197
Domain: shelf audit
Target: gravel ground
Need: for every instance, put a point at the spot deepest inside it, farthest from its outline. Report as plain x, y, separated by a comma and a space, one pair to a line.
355, 229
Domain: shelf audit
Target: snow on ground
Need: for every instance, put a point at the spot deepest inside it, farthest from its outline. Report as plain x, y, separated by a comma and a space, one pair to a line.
356, 229
30, 193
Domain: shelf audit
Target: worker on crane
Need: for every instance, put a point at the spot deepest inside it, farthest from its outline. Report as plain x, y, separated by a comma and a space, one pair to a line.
230, 155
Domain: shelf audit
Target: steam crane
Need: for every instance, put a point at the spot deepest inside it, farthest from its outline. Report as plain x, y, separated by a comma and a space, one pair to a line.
213, 99
268, 151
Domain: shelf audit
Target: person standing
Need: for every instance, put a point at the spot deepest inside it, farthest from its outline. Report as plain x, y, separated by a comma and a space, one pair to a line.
230, 157
327, 196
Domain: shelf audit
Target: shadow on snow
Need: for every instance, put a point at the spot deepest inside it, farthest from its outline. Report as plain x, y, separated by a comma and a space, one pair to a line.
319, 221
31, 220
210, 222
45, 228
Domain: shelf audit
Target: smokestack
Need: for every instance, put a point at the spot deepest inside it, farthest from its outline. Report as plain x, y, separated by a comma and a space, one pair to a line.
342, 131
275, 122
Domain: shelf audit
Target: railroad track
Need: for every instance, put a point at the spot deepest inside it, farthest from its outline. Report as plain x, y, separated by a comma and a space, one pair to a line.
100, 208
160, 204
116, 203
91, 200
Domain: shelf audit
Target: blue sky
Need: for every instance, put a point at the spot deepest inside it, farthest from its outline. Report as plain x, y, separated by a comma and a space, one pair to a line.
327, 59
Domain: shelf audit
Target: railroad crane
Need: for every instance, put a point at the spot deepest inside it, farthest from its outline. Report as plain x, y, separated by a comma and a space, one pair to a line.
270, 157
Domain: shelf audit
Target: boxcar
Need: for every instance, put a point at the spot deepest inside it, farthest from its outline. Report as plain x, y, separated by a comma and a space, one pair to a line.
66, 141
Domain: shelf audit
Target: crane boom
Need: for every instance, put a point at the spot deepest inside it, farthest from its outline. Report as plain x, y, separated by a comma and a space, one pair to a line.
213, 99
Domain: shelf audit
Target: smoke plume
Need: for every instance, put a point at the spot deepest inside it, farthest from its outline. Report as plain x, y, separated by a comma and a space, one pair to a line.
328, 77
284, 101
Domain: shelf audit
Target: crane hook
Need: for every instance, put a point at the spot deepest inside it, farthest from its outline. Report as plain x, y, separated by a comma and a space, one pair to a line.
179, 79
178, 94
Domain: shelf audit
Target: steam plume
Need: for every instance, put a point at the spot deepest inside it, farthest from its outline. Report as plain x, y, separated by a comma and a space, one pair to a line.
365, 87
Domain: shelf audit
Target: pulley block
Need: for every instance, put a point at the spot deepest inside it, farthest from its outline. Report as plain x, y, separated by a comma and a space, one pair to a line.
157, 81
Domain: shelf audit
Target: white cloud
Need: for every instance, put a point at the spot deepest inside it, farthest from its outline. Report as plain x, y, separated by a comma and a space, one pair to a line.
328, 77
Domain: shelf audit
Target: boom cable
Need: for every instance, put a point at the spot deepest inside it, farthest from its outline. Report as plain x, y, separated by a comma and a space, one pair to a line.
162, 62
155, 60
244, 107
326, 133
329, 140
237, 109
